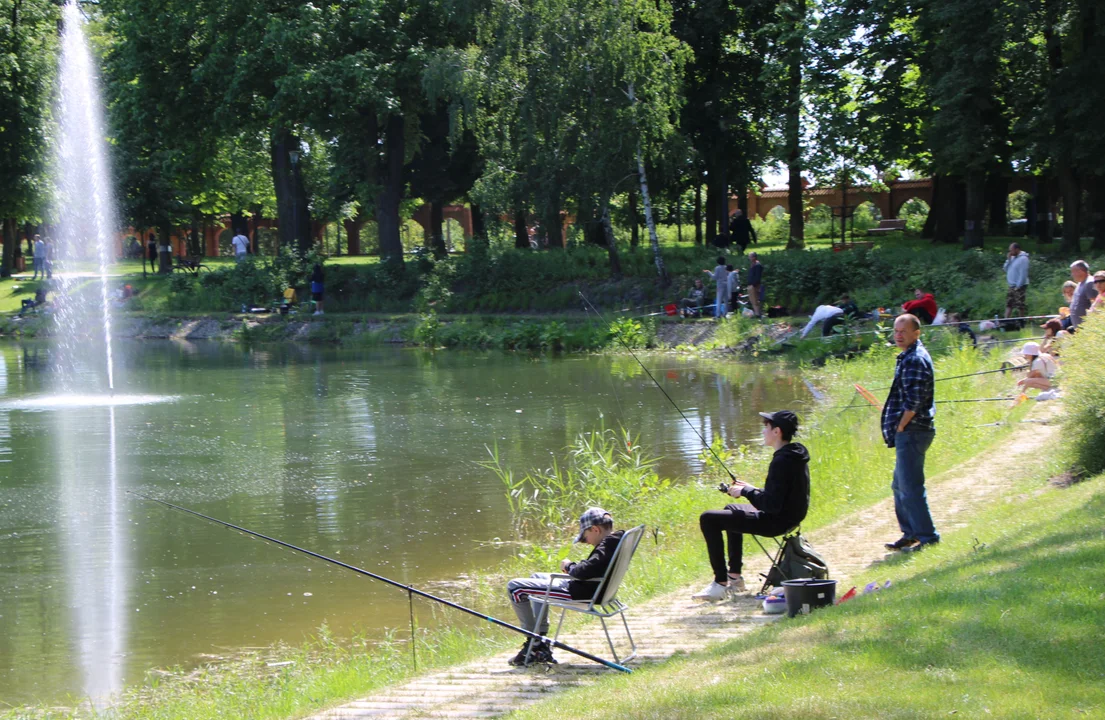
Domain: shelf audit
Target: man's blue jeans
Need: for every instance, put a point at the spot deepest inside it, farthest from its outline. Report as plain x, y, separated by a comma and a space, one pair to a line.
910, 499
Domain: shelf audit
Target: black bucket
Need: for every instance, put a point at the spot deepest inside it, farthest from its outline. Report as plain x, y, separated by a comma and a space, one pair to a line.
805, 594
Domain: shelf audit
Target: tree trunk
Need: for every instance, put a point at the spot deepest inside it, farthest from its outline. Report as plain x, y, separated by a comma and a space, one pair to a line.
946, 226
554, 224
1071, 189
793, 123
10, 237
1043, 211
653, 237
928, 230
997, 191
975, 209
353, 234
391, 190
679, 220
437, 232
698, 212
479, 231
634, 221
1095, 210
712, 192
521, 230
292, 210
722, 208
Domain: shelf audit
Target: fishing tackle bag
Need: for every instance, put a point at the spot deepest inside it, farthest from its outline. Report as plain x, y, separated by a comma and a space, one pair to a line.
798, 559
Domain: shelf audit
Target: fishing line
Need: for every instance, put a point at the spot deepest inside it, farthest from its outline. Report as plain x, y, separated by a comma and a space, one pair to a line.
661, 387
1013, 368
408, 588
613, 386
938, 402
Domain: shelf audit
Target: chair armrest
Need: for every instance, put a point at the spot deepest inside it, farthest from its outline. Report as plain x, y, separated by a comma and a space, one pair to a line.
553, 576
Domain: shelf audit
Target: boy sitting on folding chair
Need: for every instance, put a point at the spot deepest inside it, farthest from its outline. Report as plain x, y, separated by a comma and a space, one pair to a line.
596, 528
779, 507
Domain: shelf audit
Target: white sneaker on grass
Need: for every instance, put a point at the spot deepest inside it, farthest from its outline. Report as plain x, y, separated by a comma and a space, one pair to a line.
736, 584
714, 592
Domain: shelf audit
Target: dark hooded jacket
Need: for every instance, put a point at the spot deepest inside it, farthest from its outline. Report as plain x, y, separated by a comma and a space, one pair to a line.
786, 493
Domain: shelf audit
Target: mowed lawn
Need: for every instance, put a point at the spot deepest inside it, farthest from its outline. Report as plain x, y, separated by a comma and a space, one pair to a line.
1005, 619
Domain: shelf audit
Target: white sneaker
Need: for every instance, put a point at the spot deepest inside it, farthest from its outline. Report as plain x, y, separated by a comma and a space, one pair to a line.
736, 584
714, 592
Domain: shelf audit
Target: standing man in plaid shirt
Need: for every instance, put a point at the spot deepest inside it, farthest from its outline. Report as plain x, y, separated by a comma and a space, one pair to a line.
908, 427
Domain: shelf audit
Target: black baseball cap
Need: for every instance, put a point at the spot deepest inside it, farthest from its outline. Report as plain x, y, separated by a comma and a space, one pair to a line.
785, 420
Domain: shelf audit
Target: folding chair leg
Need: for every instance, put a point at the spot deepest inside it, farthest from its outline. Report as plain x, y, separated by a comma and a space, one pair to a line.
536, 624
608, 640
559, 624
774, 560
632, 645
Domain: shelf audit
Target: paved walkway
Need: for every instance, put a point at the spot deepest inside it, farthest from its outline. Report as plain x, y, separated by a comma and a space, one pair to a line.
673, 623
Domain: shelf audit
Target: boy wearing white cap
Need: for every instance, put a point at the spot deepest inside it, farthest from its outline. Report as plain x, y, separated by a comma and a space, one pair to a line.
596, 528
1041, 368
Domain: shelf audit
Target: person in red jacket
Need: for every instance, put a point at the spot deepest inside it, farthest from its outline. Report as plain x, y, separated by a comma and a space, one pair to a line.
924, 307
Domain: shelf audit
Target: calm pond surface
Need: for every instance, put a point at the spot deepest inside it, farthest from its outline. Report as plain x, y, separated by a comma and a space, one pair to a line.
368, 456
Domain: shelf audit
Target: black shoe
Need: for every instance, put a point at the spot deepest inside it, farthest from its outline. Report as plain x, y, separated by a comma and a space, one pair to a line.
541, 653
918, 545
901, 543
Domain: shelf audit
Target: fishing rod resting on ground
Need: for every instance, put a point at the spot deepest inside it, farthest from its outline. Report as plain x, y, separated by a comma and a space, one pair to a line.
661, 388
408, 588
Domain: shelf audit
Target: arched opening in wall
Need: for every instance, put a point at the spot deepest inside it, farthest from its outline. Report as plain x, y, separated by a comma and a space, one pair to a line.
412, 235
819, 221
1016, 213
914, 211
454, 235
225, 248
866, 216
265, 240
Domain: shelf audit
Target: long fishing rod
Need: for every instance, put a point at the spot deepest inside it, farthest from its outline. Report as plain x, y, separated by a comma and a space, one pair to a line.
938, 402
661, 387
410, 589
952, 325
1013, 368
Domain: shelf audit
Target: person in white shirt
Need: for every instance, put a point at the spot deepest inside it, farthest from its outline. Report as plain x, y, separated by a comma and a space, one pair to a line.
1042, 368
734, 287
241, 246
720, 276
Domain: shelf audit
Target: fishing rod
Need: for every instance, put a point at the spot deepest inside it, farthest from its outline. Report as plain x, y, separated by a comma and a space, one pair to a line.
948, 325
410, 589
938, 402
1012, 368
661, 387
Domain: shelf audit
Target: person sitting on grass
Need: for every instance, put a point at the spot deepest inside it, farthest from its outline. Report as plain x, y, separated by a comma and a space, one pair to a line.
596, 528
692, 306
923, 306
1041, 368
1053, 333
1099, 285
780, 506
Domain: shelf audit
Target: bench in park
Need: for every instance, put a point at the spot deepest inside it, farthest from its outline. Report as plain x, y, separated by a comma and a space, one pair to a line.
887, 226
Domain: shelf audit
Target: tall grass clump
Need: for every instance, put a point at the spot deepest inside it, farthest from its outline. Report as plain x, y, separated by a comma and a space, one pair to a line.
1084, 392
602, 468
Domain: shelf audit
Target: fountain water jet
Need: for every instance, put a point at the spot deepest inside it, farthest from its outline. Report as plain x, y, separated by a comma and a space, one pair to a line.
85, 203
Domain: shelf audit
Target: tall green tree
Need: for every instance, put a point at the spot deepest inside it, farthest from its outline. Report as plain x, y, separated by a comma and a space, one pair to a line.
28, 51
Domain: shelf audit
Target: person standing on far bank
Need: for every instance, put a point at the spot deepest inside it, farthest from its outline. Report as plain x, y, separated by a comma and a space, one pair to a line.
755, 283
720, 276
241, 246
1084, 292
908, 426
39, 257
1016, 275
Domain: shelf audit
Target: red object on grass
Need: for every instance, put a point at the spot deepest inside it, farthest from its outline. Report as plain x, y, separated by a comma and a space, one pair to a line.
670, 309
847, 596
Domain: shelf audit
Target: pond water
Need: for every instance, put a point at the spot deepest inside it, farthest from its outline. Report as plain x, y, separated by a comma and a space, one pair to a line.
371, 457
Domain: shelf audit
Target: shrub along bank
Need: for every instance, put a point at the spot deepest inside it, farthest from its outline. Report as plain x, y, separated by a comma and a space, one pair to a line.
513, 281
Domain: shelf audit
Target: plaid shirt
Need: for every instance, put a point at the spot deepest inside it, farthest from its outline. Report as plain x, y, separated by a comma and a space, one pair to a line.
912, 390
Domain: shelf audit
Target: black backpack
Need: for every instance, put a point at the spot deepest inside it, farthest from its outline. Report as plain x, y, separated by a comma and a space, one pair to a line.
799, 560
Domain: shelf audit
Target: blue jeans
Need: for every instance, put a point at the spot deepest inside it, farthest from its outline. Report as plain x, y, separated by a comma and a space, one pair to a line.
719, 308
910, 499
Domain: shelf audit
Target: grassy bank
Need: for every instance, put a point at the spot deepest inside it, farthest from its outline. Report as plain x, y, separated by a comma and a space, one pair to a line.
850, 468
1002, 620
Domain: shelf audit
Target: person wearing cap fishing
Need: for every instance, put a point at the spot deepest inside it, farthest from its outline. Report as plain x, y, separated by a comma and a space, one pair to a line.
596, 528
908, 426
780, 506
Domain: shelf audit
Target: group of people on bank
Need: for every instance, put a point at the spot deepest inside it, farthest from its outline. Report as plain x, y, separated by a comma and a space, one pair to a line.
908, 428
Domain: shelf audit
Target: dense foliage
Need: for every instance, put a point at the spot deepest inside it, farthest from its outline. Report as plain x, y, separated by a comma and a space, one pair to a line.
550, 112
1084, 393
